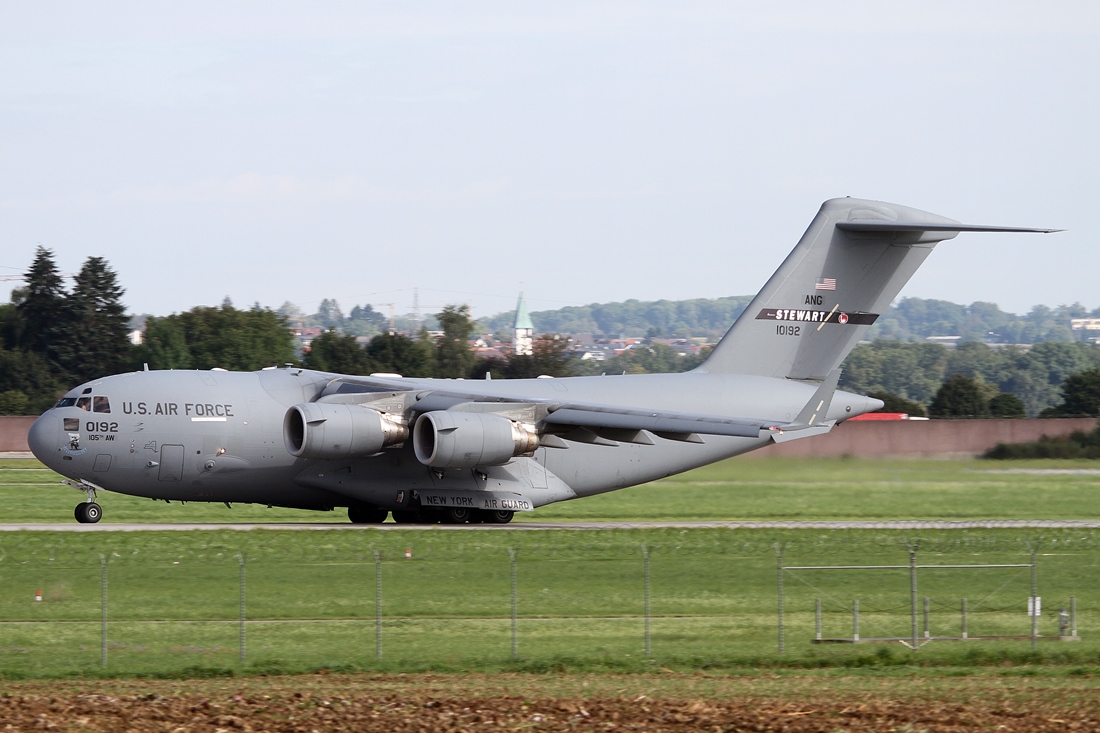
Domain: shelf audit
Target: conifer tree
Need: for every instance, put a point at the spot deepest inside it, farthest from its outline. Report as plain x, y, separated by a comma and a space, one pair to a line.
101, 322
44, 309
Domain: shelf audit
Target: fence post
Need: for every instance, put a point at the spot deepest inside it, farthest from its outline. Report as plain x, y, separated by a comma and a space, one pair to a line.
779, 580
103, 611
966, 626
377, 604
645, 555
855, 620
512, 557
927, 604
817, 619
913, 589
240, 559
1073, 616
1034, 604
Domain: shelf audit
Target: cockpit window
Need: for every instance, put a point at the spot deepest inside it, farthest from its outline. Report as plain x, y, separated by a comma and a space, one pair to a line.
101, 404
66, 402
84, 403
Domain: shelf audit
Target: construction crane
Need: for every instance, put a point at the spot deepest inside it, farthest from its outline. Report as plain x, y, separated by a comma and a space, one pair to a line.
16, 278
393, 316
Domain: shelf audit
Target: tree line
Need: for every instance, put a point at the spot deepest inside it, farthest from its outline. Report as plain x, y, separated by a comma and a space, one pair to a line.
916, 372
908, 319
54, 337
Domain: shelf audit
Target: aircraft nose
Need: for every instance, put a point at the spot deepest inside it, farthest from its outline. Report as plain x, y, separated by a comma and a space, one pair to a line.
42, 437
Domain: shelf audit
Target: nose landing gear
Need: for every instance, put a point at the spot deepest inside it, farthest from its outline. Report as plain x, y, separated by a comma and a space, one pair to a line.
87, 512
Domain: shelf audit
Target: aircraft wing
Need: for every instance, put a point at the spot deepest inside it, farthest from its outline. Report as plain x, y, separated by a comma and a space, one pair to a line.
560, 416
594, 416
657, 421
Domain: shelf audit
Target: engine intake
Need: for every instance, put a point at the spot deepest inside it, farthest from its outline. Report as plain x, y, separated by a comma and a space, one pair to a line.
334, 431
445, 439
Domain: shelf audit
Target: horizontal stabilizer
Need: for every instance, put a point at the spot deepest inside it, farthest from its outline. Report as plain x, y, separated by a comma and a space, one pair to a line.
782, 437
875, 225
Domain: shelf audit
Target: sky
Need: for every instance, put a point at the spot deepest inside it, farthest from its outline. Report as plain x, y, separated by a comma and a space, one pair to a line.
582, 152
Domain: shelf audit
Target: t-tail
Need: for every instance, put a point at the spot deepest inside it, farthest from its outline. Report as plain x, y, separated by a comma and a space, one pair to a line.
850, 264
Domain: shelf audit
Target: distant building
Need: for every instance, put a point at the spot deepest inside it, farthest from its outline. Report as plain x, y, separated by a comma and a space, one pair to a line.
1085, 325
948, 342
523, 332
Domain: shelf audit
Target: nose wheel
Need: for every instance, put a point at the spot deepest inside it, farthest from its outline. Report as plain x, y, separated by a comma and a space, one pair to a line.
88, 512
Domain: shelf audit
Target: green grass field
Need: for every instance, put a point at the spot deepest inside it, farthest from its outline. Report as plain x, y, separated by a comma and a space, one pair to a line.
737, 489
173, 597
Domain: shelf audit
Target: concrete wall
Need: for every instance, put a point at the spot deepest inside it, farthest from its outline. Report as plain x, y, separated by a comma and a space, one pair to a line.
923, 438
13, 433
870, 439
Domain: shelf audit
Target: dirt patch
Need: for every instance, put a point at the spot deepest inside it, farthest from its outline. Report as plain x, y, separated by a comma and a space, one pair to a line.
400, 707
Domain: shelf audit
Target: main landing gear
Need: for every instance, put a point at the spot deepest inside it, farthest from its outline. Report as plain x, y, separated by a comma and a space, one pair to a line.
366, 514
88, 512
498, 516
452, 515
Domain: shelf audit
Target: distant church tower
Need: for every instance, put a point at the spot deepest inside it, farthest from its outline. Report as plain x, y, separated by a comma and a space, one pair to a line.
523, 333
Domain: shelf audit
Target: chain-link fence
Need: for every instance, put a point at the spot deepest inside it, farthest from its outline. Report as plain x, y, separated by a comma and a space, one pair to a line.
440, 600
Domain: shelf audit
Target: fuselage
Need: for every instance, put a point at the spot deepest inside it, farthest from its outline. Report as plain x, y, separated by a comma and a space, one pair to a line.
217, 436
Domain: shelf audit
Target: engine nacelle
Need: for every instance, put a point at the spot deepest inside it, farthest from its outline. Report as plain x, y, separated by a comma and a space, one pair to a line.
445, 439
334, 431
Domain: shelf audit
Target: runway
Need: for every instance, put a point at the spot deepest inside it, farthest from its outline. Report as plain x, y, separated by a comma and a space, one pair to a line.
575, 526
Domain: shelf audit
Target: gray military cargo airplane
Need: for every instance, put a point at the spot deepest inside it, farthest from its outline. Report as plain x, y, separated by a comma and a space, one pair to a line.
457, 451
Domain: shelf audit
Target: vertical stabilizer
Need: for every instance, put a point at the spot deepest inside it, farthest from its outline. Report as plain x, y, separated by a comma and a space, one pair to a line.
850, 264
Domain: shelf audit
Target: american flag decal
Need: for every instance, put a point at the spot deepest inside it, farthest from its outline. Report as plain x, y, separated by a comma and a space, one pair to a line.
825, 283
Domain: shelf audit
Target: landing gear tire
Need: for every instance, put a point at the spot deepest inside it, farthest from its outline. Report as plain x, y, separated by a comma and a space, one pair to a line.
88, 513
455, 515
499, 516
364, 514
408, 516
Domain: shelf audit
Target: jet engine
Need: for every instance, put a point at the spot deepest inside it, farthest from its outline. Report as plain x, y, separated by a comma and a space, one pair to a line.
445, 439
334, 431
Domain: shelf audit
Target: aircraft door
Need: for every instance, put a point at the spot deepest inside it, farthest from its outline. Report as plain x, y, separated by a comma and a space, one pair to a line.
171, 463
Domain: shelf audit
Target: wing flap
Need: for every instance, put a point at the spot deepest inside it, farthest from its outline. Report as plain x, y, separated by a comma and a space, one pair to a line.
657, 421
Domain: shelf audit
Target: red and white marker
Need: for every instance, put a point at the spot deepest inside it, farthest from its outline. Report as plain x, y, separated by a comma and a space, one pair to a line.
38, 595
408, 552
